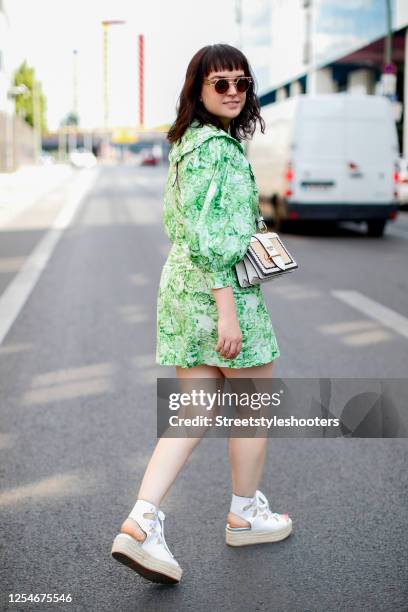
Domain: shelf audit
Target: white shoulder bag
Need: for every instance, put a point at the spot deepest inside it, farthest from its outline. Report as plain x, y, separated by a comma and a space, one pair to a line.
267, 258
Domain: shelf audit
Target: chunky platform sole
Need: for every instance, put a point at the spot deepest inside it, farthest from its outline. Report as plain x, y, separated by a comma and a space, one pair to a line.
127, 550
241, 536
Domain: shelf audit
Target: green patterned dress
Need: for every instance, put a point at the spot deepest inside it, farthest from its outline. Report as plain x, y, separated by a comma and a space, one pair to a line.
209, 215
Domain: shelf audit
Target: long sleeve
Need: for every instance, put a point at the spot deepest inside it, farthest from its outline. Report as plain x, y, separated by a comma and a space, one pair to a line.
216, 197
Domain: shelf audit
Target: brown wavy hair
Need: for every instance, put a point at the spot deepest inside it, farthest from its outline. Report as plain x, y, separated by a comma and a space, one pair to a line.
208, 59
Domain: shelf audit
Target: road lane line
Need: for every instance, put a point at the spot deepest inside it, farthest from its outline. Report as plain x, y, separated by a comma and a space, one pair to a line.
17, 292
398, 232
384, 315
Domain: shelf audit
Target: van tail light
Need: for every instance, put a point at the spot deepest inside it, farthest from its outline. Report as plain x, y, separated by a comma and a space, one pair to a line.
289, 172
396, 174
293, 215
289, 176
393, 214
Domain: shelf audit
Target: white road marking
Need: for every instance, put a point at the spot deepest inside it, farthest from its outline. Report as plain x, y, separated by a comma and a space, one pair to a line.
384, 315
397, 231
17, 292
345, 327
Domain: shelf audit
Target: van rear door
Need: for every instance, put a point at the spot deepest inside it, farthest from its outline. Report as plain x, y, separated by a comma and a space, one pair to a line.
369, 152
319, 152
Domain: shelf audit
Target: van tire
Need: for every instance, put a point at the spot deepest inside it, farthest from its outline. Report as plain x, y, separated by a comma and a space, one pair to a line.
375, 227
281, 225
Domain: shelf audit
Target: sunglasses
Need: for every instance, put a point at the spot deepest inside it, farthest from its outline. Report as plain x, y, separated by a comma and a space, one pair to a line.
221, 86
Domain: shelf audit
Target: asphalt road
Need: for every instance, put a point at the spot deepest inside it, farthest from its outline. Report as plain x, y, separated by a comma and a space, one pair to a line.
78, 424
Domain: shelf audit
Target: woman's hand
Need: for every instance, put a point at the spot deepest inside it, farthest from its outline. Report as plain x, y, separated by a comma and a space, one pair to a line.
229, 342
229, 336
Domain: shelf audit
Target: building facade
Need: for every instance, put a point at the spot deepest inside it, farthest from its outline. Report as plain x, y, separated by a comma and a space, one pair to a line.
327, 46
4, 45
16, 136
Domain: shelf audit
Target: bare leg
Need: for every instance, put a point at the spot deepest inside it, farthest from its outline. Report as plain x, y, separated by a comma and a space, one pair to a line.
169, 456
247, 455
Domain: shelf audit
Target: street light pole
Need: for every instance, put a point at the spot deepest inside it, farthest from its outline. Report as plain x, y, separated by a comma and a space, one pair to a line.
74, 143
141, 80
106, 25
388, 39
389, 73
308, 49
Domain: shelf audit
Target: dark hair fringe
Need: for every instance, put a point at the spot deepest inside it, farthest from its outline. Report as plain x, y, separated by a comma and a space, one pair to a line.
208, 59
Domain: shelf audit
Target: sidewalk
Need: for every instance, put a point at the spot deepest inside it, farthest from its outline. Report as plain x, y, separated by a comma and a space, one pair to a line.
21, 189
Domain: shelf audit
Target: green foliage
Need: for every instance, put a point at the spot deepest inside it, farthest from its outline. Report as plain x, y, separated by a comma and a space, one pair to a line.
25, 75
71, 119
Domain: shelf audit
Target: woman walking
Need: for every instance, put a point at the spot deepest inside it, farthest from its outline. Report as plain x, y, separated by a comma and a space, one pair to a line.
207, 325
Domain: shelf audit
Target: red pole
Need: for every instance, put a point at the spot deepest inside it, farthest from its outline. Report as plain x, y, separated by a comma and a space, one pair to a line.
141, 81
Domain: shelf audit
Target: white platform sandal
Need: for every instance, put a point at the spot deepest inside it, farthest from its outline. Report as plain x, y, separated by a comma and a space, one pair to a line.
265, 525
151, 558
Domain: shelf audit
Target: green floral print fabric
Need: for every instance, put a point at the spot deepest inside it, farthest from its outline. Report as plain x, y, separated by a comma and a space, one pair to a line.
209, 215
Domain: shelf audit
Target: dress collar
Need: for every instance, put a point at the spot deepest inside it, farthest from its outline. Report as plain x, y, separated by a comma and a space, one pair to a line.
195, 135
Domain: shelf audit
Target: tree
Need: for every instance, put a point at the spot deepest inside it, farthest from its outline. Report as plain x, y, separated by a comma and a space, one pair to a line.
25, 75
71, 119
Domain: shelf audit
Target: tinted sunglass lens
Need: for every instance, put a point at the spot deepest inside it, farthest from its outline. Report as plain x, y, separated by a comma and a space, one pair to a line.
222, 86
242, 85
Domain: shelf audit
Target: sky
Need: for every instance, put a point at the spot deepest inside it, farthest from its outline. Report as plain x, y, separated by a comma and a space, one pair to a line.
46, 33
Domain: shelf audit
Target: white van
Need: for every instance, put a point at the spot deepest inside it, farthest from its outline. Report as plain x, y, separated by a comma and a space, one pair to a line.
328, 156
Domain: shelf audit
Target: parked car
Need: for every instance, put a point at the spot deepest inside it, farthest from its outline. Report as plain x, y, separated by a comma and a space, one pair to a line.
148, 158
403, 181
82, 158
328, 156
46, 159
